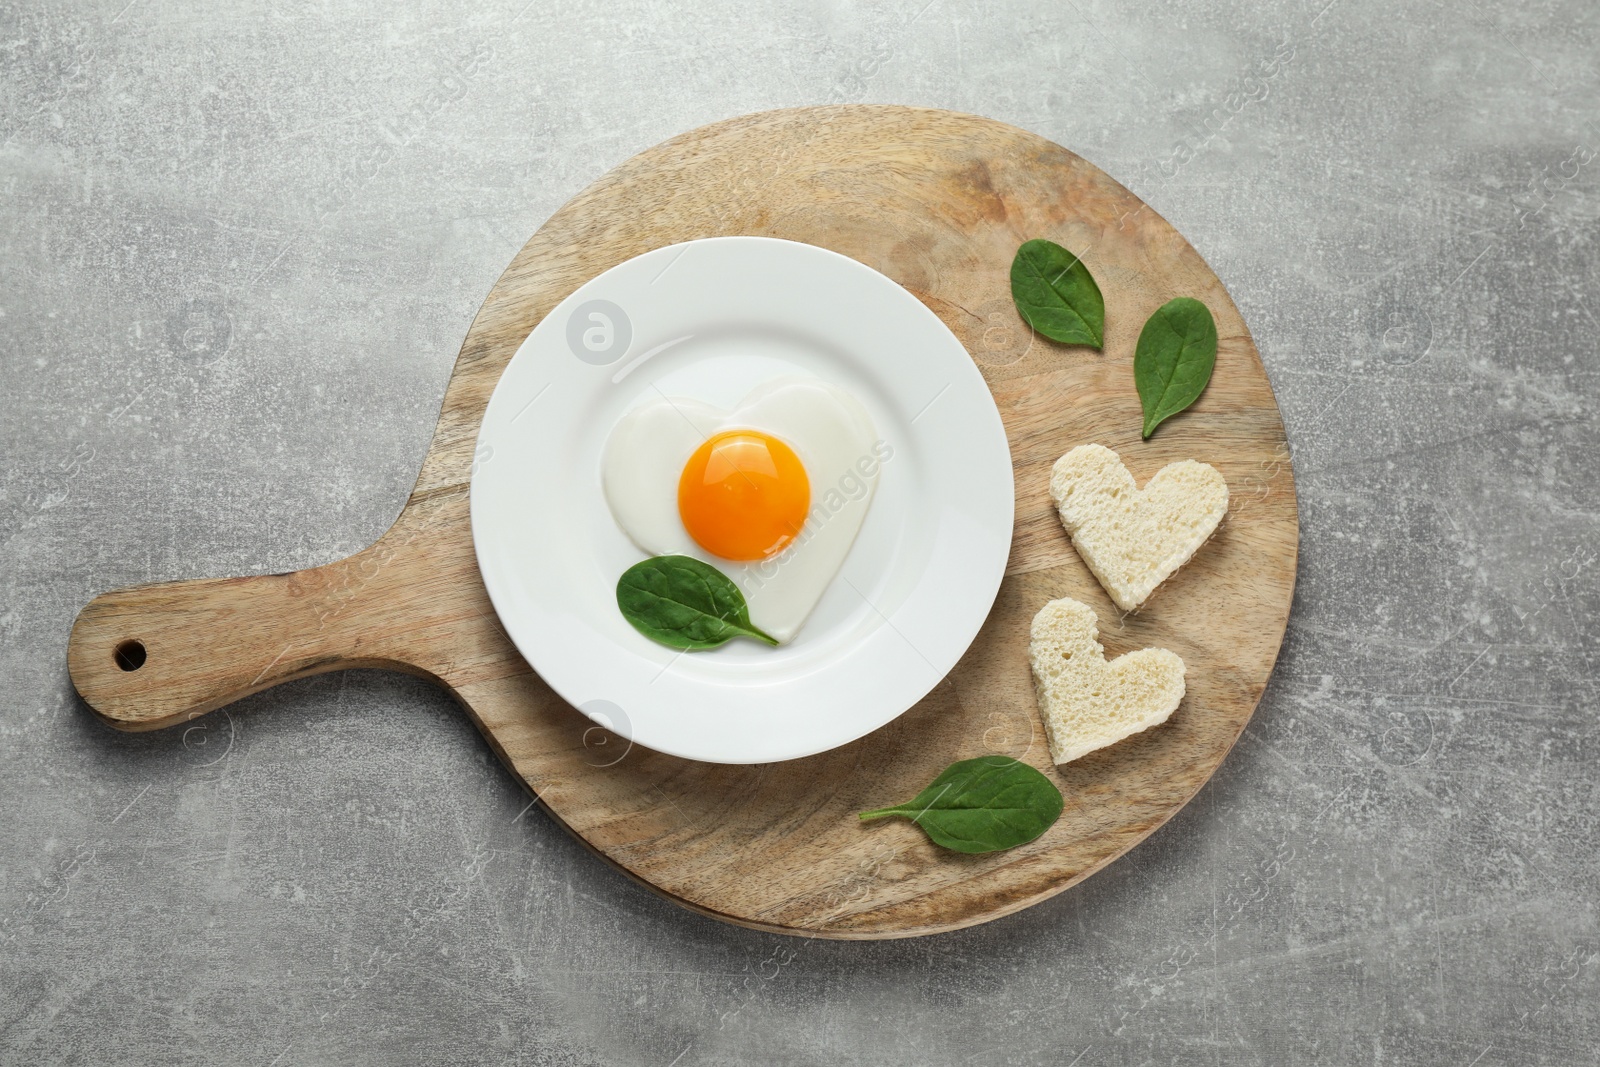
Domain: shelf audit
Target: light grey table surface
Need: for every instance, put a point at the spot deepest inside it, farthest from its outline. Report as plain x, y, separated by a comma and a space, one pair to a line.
239, 246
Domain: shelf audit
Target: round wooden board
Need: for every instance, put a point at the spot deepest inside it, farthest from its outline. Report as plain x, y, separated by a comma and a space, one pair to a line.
939, 202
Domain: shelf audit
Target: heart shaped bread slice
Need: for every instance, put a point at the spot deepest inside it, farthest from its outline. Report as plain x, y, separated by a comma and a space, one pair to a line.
1132, 538
1087, 703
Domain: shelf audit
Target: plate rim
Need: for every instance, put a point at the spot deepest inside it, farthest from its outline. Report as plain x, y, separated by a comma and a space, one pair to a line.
989, 573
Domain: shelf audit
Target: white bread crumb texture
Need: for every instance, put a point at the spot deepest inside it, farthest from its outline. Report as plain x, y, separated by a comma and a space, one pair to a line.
1133, 539
1086, 702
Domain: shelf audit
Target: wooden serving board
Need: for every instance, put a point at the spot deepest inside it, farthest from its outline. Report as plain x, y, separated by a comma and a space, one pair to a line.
939, 202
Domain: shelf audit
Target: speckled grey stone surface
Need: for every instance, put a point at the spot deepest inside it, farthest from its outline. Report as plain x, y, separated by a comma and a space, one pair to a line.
239, 246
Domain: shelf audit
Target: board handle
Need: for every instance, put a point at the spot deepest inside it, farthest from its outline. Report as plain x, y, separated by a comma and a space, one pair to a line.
154, 655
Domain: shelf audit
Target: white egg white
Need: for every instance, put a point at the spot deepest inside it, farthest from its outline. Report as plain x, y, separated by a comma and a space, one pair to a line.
830, 432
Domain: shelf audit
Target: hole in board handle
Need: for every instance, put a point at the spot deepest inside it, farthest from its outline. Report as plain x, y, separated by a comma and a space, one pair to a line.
129, 655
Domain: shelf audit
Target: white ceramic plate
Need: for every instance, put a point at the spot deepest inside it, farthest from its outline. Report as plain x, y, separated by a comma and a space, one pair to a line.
710, 319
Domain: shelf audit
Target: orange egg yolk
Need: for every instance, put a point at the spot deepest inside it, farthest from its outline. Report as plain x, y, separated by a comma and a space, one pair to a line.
744, 495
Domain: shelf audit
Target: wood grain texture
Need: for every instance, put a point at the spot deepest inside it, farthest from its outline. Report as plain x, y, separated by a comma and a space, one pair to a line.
939, 202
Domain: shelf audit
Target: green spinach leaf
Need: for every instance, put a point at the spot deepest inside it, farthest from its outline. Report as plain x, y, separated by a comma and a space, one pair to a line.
982, 805
1056, 294
1177, 351
684, 603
